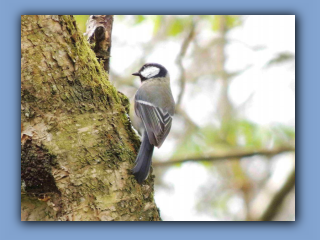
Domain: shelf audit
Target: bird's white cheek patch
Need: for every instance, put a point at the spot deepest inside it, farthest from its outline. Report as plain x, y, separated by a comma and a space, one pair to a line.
150, 72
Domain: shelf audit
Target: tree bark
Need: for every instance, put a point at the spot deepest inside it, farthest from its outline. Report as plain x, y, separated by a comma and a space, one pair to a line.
77, 143
99, 30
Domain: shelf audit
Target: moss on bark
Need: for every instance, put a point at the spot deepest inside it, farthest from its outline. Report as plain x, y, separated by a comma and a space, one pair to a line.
75, 126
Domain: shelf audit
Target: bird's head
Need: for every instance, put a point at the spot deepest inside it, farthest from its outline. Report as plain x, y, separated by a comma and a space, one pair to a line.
151, 70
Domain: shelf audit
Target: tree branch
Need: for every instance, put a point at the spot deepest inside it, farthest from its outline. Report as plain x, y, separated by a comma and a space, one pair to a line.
265, 209
99, 29
278, 198
179, 59
234, 154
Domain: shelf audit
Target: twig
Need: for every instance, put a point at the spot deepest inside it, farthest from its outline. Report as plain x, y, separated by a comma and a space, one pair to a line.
179, 59
234, 154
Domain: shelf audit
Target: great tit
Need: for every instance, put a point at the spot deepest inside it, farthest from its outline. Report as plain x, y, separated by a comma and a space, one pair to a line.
154, 105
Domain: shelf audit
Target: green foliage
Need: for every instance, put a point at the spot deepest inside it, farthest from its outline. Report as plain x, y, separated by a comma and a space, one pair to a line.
81, 21
252, 135
139, 19
232, 21
191, 145
176, 27
285, 134
215, 23
156, 23
235, 134
157, 20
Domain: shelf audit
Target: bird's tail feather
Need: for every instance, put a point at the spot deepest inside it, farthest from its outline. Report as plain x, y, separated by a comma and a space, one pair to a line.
143, 162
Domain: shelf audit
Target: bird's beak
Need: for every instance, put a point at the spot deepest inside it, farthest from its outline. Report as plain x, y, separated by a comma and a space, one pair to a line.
136, 74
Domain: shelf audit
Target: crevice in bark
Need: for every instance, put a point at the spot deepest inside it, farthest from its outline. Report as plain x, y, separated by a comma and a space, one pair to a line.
36, 164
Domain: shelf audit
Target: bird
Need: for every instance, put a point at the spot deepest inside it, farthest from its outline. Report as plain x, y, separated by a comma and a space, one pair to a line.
155, 106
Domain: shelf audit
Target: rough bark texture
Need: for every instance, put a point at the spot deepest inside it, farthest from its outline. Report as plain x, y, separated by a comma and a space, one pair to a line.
99, 30
77, 143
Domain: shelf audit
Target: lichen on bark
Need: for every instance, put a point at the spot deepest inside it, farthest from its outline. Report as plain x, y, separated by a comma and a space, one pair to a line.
76, 138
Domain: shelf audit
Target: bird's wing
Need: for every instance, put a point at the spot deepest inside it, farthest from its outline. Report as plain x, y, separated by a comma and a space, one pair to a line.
157, 121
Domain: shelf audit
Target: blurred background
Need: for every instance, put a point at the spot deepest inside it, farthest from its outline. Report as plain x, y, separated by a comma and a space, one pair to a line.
230, 154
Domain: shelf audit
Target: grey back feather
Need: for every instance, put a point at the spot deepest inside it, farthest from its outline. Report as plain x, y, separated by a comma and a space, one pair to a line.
154, 104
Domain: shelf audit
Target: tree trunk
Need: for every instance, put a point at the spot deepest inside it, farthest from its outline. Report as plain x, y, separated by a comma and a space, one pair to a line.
77, 143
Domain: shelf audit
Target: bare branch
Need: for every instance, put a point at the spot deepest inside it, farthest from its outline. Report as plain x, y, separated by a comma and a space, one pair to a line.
179, 59
278, 198
266, 204
233, 154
